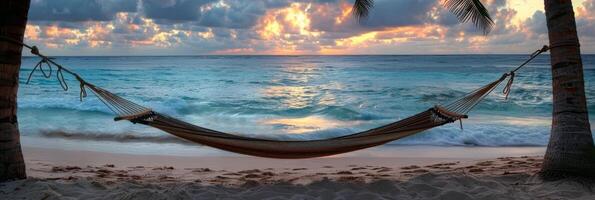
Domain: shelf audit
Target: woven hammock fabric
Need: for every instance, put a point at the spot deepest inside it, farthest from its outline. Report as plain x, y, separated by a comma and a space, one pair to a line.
433, 117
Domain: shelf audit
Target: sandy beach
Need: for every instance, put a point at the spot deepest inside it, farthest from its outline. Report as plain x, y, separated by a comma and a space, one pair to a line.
67, 174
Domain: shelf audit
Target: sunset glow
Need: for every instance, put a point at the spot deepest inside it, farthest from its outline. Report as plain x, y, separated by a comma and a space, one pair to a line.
301, 27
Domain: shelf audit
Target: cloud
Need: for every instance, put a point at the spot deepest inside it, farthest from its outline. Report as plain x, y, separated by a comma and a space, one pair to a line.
285, 27
167, 11
536, 24
76, 10
232, 13
390, 13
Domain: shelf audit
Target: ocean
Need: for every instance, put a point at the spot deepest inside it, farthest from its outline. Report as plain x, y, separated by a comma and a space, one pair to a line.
289, 97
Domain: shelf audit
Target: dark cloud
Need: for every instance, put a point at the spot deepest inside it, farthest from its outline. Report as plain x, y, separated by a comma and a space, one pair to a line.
537, 23
167, 11
586, 24
390, 13
234, 14
76, 10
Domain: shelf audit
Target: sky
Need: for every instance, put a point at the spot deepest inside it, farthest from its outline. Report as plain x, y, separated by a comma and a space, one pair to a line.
285, 27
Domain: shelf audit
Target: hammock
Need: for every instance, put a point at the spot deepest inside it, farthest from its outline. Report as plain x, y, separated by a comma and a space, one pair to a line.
436, 116
433, 117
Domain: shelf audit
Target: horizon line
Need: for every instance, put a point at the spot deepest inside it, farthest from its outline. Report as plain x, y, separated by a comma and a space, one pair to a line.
289, 55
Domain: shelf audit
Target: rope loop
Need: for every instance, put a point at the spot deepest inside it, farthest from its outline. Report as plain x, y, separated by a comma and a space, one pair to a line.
61, 80
508, 86
40, 63
39, 66
83, 91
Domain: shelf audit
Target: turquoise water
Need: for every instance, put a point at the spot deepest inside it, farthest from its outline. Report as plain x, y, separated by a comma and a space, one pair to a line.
294, 97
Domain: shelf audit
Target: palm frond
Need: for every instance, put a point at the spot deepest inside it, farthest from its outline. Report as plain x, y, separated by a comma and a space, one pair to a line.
361, 8
471, 10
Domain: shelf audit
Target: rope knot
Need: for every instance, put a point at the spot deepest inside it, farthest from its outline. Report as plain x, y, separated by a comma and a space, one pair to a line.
34, 50
545, 48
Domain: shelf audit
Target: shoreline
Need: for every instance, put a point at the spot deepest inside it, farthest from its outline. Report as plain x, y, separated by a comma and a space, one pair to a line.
195, 150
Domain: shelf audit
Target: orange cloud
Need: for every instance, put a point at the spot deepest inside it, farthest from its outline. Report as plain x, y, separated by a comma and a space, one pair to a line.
286, 22
97, 34
288, 28
345, 13
390, 36
32, 32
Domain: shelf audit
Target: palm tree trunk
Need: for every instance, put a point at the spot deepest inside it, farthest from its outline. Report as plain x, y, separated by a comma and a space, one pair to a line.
12, 24
570, 151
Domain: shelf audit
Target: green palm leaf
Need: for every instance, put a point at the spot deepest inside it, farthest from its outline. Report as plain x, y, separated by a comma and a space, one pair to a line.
361, 8
465, 10
473, 10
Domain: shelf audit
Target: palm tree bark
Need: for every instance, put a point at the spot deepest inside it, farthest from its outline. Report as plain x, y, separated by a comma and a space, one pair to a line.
12, 25
570, 151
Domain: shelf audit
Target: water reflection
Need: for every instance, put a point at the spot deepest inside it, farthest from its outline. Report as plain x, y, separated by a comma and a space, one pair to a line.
305, 124
301, 87
291, 96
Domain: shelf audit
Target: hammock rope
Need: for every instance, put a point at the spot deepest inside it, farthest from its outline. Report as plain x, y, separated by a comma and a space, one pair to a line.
125, 109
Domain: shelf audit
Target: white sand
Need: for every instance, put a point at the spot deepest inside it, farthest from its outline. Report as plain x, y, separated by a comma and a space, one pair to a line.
412, 173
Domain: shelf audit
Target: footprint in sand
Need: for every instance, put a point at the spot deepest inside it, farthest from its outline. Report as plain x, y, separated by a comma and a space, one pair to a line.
476, 170
202, 170
410, 167
249, 171
252, 176
415, 171
485, 163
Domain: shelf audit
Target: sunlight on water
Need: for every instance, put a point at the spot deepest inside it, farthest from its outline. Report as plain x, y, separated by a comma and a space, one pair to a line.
291, 96
306, 124
520, 121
